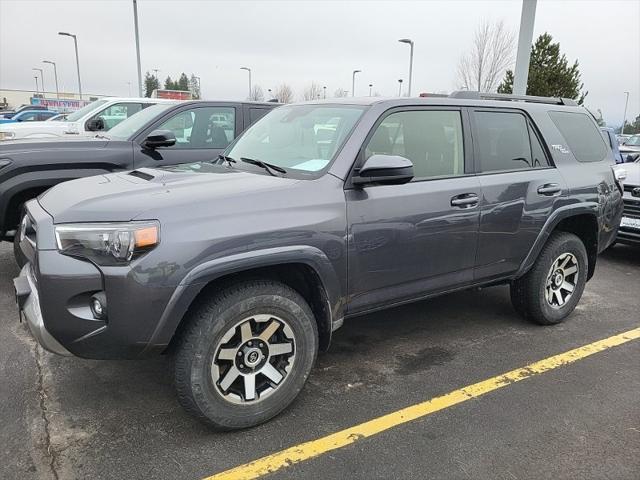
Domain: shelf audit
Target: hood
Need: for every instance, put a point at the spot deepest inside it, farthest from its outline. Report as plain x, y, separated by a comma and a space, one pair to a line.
26, 145
147, 193
54, 128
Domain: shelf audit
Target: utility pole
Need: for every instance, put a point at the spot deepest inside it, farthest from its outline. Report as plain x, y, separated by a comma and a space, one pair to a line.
399, 87
410, 43
37, 89
75, 44
41, 80
55, 75
248, 70
135, 23
525, 38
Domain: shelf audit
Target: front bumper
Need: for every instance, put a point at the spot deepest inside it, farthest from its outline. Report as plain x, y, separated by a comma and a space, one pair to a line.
54, 293
629, 231
29, 306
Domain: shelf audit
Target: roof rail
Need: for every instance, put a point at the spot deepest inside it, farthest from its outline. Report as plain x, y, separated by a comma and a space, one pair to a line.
471, 95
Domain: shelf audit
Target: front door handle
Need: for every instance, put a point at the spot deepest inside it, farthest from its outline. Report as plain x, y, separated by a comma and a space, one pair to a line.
465, 200
549, 189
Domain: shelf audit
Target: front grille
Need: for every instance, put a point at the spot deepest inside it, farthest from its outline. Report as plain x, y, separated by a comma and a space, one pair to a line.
631, 208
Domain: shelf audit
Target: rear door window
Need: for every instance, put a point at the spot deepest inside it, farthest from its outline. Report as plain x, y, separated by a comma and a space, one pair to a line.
581, 134
506, 142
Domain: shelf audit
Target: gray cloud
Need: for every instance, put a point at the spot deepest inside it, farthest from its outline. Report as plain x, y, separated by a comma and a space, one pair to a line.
299, 42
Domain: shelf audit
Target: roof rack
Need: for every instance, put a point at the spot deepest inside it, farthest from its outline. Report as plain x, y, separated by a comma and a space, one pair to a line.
471, 95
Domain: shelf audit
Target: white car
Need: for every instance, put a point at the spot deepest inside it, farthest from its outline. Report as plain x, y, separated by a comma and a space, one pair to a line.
100, 115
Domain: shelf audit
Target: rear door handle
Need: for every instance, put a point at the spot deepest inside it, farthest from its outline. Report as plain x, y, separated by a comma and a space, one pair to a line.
549, 189
465, 200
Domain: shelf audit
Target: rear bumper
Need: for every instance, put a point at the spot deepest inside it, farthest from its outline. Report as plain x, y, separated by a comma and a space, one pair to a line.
29, 305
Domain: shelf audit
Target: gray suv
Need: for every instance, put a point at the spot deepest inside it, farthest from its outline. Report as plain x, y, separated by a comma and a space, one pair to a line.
244, 266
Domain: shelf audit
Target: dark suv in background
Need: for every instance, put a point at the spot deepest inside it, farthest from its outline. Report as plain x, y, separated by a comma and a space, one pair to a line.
161, 134
242, 268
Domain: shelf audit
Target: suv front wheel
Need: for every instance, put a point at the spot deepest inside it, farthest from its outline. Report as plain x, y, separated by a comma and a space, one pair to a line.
245, 354
550, 291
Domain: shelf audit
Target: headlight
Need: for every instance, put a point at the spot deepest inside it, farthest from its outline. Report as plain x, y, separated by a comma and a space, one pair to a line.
7, 135
108, 243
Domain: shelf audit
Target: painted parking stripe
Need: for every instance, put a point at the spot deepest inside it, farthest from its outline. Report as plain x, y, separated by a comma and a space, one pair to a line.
305, 451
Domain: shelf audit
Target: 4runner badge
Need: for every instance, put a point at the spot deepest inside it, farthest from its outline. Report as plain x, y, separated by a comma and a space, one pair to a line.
560, 148
636, 192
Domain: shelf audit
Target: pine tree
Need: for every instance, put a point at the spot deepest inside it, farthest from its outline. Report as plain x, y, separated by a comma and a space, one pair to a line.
550, 74
150, 84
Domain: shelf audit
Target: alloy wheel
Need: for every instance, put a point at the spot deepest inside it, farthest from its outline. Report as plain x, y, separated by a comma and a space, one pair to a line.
253, 359
561, 280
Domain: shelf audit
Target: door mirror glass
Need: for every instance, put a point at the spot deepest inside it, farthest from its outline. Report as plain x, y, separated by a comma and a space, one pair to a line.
160, 138
95, 125
385, 169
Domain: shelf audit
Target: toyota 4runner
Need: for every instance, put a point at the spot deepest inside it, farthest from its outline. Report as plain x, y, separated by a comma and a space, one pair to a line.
243, 267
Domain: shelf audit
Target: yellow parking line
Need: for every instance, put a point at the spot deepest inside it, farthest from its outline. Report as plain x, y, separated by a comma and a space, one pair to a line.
314, 448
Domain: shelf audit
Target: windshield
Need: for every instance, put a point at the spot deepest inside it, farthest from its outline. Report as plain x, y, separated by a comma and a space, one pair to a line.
635, 140
298, 137
127, 128
78, 114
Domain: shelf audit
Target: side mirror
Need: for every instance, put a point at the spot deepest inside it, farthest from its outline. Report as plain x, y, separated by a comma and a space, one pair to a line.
95, 124
384, 169
160, 138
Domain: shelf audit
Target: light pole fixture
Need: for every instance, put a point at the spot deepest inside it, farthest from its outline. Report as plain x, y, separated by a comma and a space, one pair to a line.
37, 88
75, 43
399, 87
41, 79
370, 88
248, 70
410, 42
353, 82
624, 119
135, 26
324, 93
55, 75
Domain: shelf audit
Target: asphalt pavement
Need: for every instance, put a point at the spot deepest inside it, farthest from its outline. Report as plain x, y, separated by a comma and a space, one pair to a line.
67, 418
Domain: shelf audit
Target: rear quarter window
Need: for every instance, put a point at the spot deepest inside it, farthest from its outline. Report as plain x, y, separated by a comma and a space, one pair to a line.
582, 136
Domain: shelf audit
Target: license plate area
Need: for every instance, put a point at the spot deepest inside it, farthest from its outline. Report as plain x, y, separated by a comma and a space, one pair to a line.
630, 222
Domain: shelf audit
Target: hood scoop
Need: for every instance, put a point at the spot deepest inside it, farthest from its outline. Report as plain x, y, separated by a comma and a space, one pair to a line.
141, 174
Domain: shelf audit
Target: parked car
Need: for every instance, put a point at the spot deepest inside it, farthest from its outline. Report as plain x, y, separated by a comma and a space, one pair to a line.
610, 138
97, 116
244, 267
622, 138
629, 231
10, 113
29, 116
163, 134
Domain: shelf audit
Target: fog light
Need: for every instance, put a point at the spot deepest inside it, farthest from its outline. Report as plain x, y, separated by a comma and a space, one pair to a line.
98, 305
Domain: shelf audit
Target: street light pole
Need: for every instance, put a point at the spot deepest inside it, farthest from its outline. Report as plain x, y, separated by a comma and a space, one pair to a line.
624, 119
75, 43
353, 82
370, 87
41, 80
37, 89
55, 75
248, 70
135, 24
525, 37
399, 87
410, 42
324, 90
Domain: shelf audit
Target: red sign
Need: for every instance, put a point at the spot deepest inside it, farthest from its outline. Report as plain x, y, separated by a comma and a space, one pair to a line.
172, 94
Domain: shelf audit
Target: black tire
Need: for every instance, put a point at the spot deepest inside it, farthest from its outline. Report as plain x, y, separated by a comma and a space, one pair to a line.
215, 316
20, 257
528, 292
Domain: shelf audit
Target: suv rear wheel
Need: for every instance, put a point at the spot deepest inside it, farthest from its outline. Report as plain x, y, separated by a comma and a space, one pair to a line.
245, 354
550, 291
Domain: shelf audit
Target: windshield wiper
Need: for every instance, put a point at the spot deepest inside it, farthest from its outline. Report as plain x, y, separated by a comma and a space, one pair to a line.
269, 167
224, 158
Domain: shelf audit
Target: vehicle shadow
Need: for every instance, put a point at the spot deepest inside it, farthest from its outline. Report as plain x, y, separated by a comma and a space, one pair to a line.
623, 254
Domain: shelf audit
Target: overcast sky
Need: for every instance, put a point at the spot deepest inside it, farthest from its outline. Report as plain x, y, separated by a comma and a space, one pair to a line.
302, 41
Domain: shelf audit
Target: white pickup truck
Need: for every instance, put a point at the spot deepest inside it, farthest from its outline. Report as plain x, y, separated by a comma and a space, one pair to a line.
98, 116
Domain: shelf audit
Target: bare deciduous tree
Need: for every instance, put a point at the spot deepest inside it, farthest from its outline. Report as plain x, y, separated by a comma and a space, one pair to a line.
483, 67
283, 93
340, 93
257, 95
312, 92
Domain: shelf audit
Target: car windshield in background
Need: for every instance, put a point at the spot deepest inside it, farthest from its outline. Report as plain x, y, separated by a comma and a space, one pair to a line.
298, 137
127, 128
78, 114
635, 141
